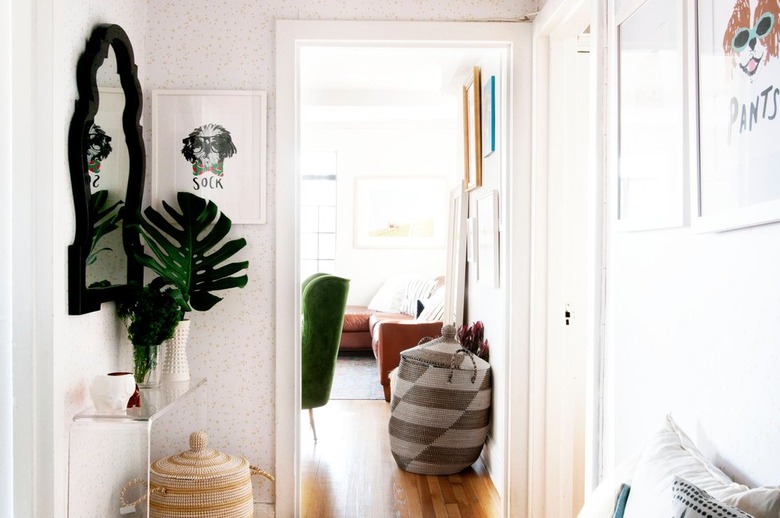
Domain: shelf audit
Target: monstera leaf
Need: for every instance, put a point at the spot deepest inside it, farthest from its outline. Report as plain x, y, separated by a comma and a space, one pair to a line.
106, 220
186, 254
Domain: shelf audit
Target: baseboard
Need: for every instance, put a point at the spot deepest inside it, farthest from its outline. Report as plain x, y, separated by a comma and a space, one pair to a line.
494, 464
264, 510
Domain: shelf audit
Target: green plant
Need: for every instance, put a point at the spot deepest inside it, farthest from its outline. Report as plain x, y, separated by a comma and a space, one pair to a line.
185, 252
105, 221
151, 315
473, 339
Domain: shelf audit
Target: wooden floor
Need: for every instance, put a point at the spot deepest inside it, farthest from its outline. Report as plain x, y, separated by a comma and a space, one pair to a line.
350, 471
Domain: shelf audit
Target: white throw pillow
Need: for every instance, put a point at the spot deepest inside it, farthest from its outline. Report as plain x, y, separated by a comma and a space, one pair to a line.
601, 502
672, 453
390, 297
689, 501
416, 289
433, 310
761, 502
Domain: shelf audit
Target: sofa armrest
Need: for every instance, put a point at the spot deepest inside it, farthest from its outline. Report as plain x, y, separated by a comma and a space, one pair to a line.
390, 338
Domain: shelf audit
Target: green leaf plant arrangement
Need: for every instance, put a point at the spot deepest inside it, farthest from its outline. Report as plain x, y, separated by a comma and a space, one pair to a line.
151, 315
189, 254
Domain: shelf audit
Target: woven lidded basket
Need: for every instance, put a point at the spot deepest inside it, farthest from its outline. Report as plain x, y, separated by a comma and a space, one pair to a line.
201, 483
440, 407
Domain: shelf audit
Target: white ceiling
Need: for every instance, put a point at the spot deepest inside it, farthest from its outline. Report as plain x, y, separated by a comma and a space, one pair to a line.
382, 83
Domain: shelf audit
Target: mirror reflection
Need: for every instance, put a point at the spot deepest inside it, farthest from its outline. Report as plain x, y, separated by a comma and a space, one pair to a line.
107, 166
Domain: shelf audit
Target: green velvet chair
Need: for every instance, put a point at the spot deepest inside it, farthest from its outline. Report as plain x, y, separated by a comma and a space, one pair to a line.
323, 301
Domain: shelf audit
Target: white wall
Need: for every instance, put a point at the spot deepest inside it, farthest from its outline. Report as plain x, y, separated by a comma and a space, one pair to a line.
233, 345
484, 301
692, 329
383, 149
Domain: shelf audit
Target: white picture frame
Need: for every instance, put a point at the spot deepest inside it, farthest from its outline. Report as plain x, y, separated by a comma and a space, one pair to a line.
400, 212
650, 183
455, 279
487, 240
735, 106
471, 239
212, 143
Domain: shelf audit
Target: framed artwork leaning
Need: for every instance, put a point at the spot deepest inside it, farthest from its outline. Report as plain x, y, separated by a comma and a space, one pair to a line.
472, 130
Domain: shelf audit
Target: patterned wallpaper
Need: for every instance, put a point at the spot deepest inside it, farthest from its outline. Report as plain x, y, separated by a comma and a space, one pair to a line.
196, 48
220, 44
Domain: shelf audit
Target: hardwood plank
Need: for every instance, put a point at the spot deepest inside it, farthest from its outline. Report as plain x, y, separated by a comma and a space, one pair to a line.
453, 511
439, 506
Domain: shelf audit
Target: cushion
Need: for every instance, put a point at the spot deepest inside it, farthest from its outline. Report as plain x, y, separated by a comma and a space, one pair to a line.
622, 500
433, 308
761, 502
390, 297
356, 319
416, 289
689, 501
601, 502
671, 453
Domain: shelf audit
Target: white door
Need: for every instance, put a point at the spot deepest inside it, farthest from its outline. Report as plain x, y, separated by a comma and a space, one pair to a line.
567, 298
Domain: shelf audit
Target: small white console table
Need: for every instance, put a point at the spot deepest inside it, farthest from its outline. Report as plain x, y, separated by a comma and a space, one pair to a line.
108, 451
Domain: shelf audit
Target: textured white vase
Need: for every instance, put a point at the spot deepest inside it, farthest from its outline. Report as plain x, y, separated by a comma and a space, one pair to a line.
175, 366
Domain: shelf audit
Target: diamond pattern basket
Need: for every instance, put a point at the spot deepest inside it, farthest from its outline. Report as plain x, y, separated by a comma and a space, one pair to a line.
440, 407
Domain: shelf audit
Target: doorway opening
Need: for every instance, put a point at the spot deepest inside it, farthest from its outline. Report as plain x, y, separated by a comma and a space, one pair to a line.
292, 37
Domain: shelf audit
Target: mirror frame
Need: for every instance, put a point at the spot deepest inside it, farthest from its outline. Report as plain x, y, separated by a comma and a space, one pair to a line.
82, 299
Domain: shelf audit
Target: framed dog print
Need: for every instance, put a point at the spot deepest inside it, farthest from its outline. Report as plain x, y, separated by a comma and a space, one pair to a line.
212, 144
739, 114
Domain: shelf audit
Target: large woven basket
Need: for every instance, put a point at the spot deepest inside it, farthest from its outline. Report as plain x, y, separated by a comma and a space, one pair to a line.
202, 483
440, 407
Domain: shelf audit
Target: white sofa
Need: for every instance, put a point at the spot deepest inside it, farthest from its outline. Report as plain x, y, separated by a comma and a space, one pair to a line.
672, 478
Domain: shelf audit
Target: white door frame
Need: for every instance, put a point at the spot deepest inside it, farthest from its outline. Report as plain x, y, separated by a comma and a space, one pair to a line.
290, 35
557, 21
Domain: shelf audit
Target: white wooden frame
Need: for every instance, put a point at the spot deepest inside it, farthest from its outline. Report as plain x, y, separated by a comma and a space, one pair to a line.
730, 218
398, 197
456, 258
514, 38
487, 240
665, 192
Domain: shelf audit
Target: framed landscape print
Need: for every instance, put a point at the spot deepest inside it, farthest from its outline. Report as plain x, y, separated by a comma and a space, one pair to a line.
400, 212
739, 106
212, 144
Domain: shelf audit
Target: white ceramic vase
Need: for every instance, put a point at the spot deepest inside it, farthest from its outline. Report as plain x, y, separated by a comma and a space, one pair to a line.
175, 366
110, 393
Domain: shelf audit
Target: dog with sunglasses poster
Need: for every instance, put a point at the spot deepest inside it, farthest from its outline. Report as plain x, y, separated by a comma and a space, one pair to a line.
739, 103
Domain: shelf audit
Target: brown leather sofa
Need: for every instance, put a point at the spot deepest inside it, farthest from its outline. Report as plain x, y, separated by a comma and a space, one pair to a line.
389, 333
386, 334
391, 337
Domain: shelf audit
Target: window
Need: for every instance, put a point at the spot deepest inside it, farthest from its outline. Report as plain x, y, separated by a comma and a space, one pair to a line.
318, 213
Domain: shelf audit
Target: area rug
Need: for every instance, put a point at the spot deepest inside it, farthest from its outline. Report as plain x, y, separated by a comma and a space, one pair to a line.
356, 378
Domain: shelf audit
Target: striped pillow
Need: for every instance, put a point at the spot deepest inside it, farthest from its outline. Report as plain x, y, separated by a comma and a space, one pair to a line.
433, 310
416, 289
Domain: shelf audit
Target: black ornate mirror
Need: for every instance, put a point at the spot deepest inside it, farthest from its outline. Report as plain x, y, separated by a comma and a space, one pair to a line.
107, 169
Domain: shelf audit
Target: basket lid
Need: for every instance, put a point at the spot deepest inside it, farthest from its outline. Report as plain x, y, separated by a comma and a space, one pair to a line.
445, 352
200, 462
